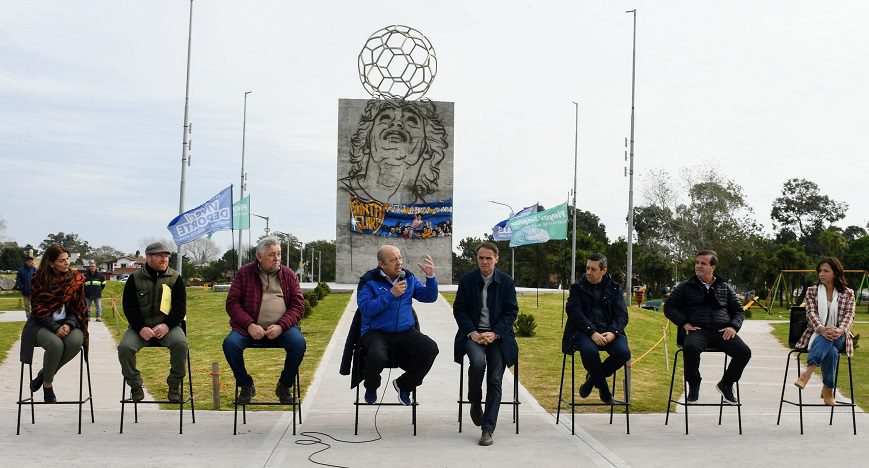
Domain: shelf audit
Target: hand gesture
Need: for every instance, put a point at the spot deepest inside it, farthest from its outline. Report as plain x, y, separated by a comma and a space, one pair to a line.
160, 331
689, 328
146, 333
598, 339
63, 331
609, 336
728, 333
274, 331
255, 331
398, 288
427, 267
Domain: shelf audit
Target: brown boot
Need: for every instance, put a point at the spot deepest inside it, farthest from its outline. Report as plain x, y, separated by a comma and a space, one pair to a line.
805, 376
827, 395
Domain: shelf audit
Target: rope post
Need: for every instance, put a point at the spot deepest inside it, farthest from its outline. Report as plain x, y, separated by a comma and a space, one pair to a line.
666, 354
215, 383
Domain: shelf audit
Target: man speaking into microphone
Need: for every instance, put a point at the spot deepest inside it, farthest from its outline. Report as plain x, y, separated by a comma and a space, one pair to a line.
384, 297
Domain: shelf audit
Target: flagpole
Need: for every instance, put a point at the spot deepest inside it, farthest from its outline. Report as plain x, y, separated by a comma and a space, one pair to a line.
241, 197
630, 253
184, 143
575, 158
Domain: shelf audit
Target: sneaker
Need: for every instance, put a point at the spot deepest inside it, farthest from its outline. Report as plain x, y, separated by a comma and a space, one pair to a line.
477, 413
486, 438
174, 395
137, 394
605, 395
693, 393
403, 395
36, 383
585, 388
726, 393
99, 319
284, 393
371, 396
246, 394
49, 395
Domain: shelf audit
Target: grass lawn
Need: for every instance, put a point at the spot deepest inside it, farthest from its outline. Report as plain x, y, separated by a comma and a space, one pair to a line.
9, 334
541, 356
207, 326
11, 301
859, 363
783, 313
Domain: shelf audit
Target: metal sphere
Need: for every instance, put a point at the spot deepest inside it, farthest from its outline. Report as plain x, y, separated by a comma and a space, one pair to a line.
397, 62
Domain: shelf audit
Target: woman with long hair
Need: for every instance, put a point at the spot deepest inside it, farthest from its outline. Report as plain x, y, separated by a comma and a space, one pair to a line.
58, 322
830, 312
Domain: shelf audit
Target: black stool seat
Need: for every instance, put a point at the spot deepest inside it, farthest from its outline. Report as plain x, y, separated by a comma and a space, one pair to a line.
392, 364
514, 402
80, 402
296, 403
626, 403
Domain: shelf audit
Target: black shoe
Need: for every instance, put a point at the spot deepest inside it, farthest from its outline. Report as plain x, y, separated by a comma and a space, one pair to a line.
403, 395
726, 393
174, 395
605, 395
693, 392
36, 383
585, 388
284, 393
137, 394
49, 395
371, 396
246, 394
477, 413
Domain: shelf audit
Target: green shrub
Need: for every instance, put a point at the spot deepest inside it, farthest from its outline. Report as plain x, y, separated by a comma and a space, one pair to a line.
325, 287
311, 296
318, 291
525, 325
308, 308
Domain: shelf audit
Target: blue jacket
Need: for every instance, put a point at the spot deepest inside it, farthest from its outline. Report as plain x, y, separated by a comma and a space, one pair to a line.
24, 278
503, 309
579, 305
381, 310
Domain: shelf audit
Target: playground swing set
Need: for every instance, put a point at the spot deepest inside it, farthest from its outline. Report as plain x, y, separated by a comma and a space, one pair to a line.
783, 291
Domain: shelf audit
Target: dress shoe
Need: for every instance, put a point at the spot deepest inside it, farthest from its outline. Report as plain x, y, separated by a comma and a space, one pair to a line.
585, 388
49, 395
803, 380
36, 383
605, 395
828, 396
246, 394
486, 438
693, 392
477, 413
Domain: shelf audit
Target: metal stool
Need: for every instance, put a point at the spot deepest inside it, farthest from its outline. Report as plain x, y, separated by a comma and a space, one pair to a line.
390, 365
573, 404
686, 404
80, 402
125, 400
515, 402
297, 395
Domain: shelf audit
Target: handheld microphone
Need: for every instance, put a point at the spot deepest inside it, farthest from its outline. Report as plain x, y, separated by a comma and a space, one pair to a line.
401, 275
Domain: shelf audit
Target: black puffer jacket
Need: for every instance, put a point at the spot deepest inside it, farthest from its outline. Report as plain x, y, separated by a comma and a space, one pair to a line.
714, 309
580, 304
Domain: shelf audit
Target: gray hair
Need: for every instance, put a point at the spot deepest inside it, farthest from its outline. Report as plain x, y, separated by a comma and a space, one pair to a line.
265, 243
598, 257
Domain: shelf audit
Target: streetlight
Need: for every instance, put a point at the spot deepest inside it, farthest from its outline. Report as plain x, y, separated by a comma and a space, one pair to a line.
185, 144
512, 249
265, 218
243, 175
319, 266
575, 157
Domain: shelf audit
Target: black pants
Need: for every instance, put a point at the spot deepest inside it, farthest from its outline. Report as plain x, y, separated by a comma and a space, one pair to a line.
699, 340
410, 350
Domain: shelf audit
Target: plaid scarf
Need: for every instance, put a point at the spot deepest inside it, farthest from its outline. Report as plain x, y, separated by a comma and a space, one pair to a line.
67, 289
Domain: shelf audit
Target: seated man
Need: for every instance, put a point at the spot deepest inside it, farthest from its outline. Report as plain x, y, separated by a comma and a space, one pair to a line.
485, 309
151, 319
596, 320
384, 297
265, 305
709, 311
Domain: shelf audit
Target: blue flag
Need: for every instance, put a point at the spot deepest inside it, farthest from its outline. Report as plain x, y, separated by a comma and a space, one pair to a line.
213, 215
500, 232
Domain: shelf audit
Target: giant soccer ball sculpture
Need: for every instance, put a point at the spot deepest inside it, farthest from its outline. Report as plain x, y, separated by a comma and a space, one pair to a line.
397, 62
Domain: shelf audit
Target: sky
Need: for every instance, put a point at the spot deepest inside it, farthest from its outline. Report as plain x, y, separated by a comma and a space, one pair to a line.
92, 105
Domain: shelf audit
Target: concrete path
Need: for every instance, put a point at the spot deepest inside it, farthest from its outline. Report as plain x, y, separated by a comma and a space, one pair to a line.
328, 411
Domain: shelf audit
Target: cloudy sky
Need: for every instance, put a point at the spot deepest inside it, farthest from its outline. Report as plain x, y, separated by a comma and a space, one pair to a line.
92, 102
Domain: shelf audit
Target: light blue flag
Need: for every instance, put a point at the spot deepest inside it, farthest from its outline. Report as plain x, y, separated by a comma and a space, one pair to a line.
539, 227
213, 215
500, 232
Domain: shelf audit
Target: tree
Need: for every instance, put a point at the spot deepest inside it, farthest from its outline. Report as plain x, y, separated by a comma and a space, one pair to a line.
105, 253
853, 233
70, 242
857, 257
11, 256
325, 250
201, 251
146, 241
803, 210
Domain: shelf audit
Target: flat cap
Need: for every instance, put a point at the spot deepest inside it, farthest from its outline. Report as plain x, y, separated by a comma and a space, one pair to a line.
155, 248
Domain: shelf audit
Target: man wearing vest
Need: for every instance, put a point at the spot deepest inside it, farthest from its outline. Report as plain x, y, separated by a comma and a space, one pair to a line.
155, 303
94, 283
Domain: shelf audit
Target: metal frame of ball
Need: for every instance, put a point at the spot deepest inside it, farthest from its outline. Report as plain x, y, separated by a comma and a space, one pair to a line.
375, 63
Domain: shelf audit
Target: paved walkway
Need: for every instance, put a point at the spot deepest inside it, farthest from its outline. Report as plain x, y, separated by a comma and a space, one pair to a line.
267, 439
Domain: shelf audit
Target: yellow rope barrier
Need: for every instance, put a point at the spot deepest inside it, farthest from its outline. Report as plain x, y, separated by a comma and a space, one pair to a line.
634, 361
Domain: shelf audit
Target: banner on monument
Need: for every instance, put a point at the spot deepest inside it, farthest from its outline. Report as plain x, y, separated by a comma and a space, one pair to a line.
539, 227
408, 221
241, 214
213, 215
500, 232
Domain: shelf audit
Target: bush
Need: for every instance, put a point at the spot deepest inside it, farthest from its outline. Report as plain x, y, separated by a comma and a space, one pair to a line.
318, 291
311, 296
308, 308
325, 287
525, 325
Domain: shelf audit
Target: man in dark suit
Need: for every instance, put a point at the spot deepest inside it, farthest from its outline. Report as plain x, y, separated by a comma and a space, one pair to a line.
485, 309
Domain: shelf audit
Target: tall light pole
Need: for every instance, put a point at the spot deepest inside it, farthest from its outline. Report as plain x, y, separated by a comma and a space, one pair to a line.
575, 160
319, 266
631, 171
512, 249
312, 265
267, 221
185, 145
243, 175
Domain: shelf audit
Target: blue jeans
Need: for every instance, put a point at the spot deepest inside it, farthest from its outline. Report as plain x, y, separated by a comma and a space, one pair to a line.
479, 357
98, 303
619, 354
826, 353
291, 340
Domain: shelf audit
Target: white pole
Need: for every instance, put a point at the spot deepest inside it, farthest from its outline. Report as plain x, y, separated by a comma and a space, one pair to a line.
631, 171
185, 146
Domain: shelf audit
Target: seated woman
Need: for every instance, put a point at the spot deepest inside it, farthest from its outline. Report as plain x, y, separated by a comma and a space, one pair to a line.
58, 322
830, 312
